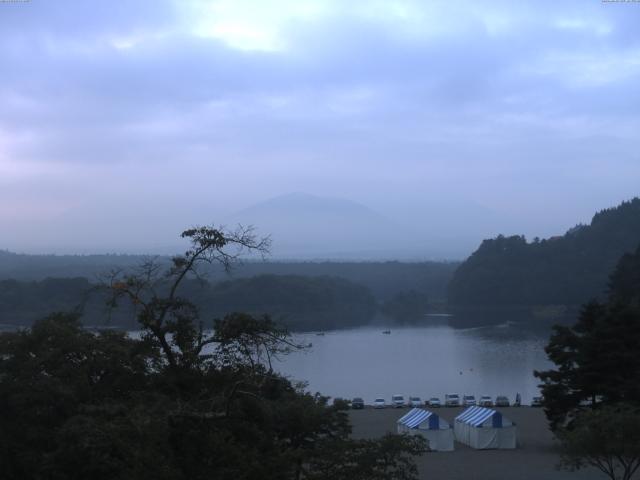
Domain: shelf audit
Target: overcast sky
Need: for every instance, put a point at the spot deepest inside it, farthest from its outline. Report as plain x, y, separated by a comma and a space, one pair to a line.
123, 122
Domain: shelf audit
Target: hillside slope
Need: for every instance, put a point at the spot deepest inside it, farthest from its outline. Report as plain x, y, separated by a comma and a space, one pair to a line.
568, 270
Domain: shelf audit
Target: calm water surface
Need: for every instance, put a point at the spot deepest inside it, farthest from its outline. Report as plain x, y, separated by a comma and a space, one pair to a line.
422, 361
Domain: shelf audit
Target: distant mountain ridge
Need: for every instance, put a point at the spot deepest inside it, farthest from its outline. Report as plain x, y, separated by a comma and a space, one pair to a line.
317, 227
569, 269
306, 203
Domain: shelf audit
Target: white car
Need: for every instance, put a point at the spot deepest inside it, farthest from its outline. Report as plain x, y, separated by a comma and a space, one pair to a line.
434, 402
485, 401
469, 401
415, 402
397, 401
379, 403
452, 400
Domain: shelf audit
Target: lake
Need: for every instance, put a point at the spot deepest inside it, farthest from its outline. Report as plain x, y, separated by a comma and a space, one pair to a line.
420, 361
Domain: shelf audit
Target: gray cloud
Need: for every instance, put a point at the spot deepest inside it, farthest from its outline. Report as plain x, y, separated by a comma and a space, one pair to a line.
111, 107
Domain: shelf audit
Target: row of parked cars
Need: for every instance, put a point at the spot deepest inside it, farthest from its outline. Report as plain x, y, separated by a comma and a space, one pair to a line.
450, 400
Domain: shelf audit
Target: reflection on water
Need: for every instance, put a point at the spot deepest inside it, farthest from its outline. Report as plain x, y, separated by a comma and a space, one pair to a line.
424, 361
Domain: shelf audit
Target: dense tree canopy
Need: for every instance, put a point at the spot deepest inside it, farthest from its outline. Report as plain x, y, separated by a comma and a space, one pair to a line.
408, 306
383, 279
299, 302
607, 439
567, 270
181, 401
23, 302
624, 285
597, 360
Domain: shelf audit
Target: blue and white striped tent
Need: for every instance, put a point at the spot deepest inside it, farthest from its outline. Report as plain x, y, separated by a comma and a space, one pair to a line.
476, 416
484, 428
437, 431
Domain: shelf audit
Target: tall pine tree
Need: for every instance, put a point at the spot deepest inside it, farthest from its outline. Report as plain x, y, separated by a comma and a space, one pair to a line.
597, 360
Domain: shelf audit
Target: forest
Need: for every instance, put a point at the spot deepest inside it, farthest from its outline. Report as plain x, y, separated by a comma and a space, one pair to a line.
302, 296
384, 279
296, 302
502, 274
189, 399
300, 303
565, 270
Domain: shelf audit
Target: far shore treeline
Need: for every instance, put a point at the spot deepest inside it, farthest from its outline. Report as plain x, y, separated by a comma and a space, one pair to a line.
299, 302
505, 274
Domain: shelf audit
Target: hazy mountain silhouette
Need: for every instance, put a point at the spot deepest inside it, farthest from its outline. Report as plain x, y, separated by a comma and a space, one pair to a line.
310, 226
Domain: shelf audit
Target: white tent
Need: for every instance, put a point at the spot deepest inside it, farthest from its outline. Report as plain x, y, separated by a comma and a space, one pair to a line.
437, 431
484, 428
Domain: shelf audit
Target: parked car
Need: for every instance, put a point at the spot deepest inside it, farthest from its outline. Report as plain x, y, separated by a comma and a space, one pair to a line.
536, 402
485, 401
397, 401
434, 402
502, 401
379, 403
469, 401
452, 400
357, 403
415, 402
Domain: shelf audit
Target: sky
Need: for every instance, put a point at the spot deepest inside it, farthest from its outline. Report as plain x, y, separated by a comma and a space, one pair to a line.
122, 123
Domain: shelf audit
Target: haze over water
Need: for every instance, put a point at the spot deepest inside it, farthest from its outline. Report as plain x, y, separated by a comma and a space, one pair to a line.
423, 361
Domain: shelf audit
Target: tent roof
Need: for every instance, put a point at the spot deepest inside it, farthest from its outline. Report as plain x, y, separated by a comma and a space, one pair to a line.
415, 417
476, 416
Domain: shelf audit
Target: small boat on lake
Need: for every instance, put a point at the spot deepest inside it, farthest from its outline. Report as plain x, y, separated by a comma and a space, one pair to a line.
386, 332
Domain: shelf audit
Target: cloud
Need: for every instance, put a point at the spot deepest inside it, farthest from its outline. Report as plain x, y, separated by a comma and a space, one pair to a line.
399, 104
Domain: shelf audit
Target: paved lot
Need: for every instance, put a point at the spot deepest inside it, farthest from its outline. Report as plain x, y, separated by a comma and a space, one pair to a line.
534, 459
